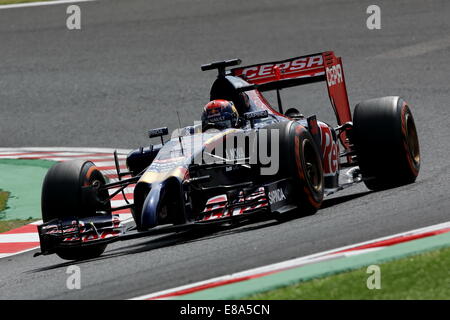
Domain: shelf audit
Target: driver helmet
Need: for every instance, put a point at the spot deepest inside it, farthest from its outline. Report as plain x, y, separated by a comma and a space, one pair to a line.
220, 114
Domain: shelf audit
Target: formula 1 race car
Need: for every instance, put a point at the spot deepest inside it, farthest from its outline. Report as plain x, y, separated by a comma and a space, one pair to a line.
266, 163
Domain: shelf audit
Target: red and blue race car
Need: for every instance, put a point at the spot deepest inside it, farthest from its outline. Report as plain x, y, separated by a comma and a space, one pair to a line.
244, 159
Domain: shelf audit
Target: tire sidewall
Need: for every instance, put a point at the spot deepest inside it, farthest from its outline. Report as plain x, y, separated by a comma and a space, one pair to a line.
292, 138
310, 195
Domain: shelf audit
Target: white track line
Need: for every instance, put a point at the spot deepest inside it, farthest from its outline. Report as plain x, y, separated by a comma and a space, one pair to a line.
292, 263
304, 261
119, 203
45, 155
64, 149
104, 163
99, 159
19, 237
67, 154
125, 217
40, 3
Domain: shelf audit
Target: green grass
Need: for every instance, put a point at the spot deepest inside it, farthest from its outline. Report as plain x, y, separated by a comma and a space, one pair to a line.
23, 179
423, 277
12, 224
4, 195
19, 1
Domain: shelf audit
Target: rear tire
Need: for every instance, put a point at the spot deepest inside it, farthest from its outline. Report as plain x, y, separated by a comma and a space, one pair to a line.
63, 197
386, 142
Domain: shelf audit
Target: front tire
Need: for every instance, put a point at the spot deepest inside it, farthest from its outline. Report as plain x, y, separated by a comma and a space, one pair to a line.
300, 159
386, 142
64, 195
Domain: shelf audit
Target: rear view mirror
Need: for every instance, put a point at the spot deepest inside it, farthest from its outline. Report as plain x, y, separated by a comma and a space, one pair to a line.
158, 132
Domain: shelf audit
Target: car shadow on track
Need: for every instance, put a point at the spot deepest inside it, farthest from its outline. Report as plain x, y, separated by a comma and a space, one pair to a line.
202, 234
342, 199
166, 241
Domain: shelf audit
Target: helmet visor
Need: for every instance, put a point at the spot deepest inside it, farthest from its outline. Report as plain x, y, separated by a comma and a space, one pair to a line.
221, 124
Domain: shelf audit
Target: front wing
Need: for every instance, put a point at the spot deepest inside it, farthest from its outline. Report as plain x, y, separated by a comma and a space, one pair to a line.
57, 234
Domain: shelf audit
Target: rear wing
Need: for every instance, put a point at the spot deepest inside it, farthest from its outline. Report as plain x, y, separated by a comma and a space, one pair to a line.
305, 69
324, 66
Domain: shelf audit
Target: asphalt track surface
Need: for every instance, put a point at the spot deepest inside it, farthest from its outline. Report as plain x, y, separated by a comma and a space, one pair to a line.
135, 62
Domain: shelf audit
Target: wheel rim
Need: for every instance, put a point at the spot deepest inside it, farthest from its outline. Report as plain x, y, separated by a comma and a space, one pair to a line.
95, 180
312, 169
412, 140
